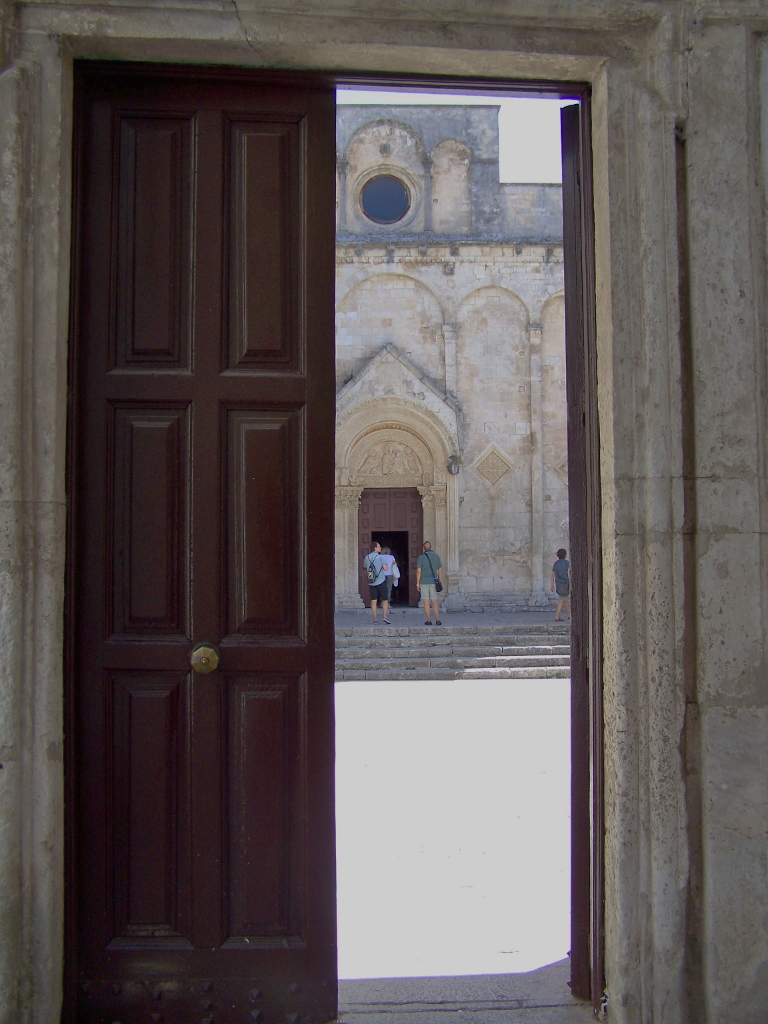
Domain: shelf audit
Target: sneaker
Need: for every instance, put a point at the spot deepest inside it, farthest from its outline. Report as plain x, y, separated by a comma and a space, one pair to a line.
388, 622
428, 622
438, 622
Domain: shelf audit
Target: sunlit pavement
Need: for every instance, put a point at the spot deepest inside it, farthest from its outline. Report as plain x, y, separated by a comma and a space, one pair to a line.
452, 827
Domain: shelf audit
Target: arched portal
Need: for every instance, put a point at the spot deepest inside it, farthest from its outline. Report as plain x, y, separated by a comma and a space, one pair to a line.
397, 444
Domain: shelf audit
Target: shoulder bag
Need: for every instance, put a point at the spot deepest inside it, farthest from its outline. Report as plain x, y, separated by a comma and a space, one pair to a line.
438, 584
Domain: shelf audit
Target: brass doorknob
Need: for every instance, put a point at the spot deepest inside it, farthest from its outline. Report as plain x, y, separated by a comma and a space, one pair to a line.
205, 658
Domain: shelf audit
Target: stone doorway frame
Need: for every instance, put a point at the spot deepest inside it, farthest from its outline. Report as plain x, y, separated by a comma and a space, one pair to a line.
634, 66
372, 426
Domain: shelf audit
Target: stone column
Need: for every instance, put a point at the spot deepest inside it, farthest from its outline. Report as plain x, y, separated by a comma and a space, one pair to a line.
538, 589
343, 165
441, 504
428, 505
347, 510
450, 337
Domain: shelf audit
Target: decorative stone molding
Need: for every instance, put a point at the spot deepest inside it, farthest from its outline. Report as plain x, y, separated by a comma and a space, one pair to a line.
392, 382
493, 466
348, 498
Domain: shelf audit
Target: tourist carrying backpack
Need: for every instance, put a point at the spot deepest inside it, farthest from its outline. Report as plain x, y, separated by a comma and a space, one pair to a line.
389, 567
374, 565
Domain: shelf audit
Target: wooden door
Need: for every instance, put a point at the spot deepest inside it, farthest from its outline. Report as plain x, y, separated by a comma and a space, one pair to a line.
200, 807
584, 504
391, 508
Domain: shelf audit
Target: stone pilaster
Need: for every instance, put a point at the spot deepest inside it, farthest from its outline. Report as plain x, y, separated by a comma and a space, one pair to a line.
450, 337
343, 165
538, 589
440, 543
427, 162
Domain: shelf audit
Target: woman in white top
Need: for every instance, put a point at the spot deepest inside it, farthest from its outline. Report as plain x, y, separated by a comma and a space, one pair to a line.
389, 563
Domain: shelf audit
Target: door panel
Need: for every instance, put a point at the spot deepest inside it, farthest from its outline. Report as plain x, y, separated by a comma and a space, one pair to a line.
262, 498
149, 456
154, 226
147, 714
201, 838
263, 741
262, 243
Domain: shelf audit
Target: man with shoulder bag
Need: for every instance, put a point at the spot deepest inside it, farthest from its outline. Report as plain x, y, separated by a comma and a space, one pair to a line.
429, 582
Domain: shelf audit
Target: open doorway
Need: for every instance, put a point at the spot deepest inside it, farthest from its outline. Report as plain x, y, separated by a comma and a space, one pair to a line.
450, 320
200, 726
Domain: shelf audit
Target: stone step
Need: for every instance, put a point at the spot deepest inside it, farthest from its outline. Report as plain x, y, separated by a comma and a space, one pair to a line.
383, 637
467, 631
445, 652
451, 651
397, 649
385, 674
449, 662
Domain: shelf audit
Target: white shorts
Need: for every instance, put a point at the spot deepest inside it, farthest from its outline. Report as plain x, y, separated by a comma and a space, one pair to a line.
428, 592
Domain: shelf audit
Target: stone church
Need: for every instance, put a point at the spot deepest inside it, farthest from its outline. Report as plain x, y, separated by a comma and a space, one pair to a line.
450, 360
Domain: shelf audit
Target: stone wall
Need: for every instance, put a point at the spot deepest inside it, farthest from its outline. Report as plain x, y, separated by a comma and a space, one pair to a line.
682, 419
437, 306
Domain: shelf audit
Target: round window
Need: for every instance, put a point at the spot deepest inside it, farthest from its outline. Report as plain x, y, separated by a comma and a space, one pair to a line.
385, 199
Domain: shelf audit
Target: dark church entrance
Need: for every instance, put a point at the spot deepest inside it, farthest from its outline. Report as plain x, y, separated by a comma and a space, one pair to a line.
393, 517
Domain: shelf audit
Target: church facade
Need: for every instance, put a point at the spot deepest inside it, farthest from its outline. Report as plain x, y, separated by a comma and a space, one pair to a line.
450, 357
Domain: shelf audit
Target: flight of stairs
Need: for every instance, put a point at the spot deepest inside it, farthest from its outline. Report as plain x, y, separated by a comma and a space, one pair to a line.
461, 652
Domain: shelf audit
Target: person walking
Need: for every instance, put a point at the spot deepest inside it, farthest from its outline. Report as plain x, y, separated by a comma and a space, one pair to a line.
561, 583
377, 586
389, 568
429, 573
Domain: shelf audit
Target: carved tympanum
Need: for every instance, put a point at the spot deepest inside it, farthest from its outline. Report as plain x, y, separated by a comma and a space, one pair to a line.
388, 458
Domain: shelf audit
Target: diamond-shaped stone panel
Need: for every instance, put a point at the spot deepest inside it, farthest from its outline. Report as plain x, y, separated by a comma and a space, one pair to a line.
493, 465
561, 468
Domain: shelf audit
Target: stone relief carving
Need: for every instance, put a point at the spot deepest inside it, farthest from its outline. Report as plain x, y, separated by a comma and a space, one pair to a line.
389, 459
493, 465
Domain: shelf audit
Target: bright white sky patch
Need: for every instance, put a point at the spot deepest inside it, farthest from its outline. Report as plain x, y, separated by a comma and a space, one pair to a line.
529, 129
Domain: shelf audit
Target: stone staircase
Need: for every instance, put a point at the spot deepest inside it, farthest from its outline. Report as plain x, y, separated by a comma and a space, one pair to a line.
459, 652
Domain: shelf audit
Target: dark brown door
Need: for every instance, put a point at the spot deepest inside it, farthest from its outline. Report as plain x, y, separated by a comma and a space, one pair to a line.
587, 815
391, 510
201, 834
